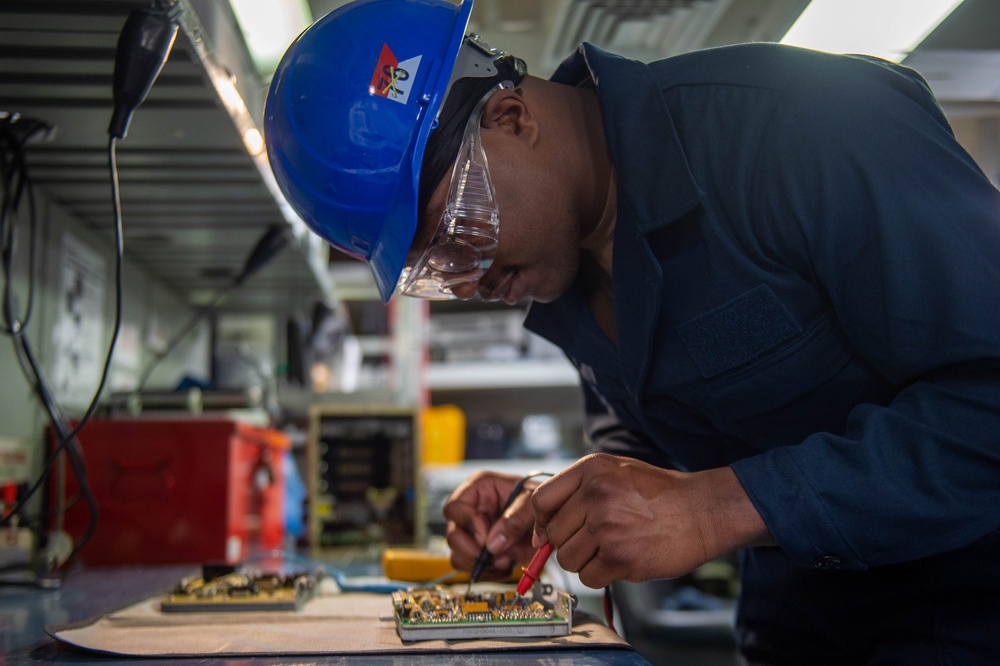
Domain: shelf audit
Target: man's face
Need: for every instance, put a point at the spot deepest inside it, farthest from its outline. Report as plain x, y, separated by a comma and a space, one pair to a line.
539, 249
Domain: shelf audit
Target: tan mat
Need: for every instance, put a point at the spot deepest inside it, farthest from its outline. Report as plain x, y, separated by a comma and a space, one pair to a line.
350, 623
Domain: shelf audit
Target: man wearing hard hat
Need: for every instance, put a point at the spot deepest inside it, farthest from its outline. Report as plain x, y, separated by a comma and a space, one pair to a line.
775, 269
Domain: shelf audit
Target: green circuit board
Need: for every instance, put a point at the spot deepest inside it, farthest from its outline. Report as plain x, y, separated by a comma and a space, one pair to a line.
439, 613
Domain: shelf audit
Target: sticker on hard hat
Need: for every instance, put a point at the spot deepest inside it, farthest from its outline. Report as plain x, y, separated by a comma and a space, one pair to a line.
392, 79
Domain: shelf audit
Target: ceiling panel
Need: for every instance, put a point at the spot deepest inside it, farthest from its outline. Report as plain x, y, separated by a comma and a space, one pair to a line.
194, 201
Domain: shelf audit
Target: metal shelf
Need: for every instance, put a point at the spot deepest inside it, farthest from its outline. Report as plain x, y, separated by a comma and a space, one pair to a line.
502, 374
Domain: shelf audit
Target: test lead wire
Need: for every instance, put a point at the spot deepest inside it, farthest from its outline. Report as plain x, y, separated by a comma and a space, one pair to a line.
485, 556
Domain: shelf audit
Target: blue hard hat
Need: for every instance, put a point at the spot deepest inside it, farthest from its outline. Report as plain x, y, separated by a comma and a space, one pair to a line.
347, 117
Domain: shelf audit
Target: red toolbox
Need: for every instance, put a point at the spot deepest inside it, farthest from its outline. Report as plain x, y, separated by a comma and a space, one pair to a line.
177, 490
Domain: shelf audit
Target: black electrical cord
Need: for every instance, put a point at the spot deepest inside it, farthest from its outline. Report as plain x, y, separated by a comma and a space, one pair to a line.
143, 47
15, 133
67, 437
267, 247
116, 204
181, 333
68, 443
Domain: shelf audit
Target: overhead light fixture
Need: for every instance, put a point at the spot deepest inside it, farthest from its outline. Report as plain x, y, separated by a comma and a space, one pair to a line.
269, 26
888, 29
254, 141
228, 93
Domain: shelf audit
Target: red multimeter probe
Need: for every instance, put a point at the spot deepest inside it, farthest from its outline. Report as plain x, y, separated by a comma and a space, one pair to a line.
534, 569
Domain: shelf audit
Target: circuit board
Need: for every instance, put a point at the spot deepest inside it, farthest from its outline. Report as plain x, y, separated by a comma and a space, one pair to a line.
240, 591
441, 614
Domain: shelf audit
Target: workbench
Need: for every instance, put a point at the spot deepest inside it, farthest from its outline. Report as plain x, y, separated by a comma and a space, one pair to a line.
91, 592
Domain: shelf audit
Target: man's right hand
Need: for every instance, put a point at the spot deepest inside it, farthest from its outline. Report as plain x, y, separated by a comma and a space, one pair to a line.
474, 519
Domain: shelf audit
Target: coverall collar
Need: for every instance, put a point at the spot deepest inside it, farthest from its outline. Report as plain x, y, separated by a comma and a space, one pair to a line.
655, 188
618, 79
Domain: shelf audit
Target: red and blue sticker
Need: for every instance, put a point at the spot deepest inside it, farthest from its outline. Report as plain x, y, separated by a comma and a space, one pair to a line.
393, 79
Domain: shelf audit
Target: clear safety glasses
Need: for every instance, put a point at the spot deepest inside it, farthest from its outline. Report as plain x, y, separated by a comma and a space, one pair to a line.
465, 242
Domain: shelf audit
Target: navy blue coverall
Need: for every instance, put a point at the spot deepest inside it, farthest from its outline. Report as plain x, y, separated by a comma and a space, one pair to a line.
806, 281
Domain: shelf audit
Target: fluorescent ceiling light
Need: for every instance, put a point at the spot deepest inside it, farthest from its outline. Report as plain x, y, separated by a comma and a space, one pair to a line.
254, 141
888, 29
269, 26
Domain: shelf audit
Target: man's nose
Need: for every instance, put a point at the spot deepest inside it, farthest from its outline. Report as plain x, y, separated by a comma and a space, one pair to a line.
466, 291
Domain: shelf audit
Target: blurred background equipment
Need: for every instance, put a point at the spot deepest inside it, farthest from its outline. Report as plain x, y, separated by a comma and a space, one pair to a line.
362, 476
443, 435
177, 490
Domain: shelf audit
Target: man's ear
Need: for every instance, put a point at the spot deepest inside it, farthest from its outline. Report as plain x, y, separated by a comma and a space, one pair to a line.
508, 112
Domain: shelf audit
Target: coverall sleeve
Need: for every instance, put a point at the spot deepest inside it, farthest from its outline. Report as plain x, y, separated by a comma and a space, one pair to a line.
871, 199
607, 434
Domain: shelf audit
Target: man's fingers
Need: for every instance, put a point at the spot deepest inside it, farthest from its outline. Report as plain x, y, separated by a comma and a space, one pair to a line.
577, 551
560, 511
553, 493
466, 517
515, 522
474, 520
463, 546
465, 551
477, 502
549, 498
597, 574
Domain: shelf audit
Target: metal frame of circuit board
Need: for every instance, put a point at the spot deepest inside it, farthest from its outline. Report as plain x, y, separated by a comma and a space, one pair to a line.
484, 624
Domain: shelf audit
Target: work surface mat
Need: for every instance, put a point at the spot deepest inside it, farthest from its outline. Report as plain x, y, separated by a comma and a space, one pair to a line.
350, 623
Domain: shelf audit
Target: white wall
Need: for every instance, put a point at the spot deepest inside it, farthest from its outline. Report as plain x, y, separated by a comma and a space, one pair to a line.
148, 307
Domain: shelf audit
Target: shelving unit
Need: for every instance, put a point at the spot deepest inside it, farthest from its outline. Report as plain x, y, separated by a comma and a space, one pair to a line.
498, 373
519, 374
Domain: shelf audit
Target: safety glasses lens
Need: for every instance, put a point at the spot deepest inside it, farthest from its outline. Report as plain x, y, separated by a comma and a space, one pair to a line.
453, 255
467, 236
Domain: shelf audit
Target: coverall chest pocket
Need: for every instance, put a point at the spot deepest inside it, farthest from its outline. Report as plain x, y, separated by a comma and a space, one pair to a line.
754, 357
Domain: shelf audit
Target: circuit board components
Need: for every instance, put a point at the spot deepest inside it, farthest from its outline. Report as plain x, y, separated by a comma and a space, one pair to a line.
240, 590
438, 613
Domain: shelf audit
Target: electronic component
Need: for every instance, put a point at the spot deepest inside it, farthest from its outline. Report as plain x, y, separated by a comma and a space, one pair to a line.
240, 590
362, 477
439, 613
